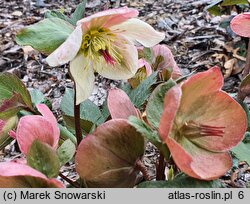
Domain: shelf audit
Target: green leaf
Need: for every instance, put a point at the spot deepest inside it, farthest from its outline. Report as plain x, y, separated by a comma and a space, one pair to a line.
79, 12
13, 96
89, 111
7, 89
66, 152
5, 127
181, 181
86, 125
245, 107
149, 134
43, 158
139, 95
155, 104
233, 2
242, 152
46, 35
214, 8
37, 96
58, 14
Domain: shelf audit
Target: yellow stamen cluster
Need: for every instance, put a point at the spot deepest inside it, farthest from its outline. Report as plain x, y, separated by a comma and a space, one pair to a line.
98, 40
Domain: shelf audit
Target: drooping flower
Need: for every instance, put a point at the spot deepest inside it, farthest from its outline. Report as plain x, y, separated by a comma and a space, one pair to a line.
163, 59
108, 157
200, 123
20, 175
241, 24
120, 105
32, 127
104, 43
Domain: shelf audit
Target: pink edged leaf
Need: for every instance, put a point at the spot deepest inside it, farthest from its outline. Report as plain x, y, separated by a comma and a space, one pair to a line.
119, 104
16, 175
164, 60
171, 104
241, 24
197, 162
43, 158
107, 158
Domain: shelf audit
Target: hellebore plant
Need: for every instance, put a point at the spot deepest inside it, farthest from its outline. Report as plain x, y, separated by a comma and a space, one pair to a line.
200, 123
192, 122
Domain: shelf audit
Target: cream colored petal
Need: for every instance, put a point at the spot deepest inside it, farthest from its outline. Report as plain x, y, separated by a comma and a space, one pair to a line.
139, 31
126, 68
68, 50
83, 75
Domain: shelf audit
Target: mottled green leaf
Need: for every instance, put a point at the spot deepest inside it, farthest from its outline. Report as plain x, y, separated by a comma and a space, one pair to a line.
58, 14
86, 125
46, 35
139, 95
149, 134
43, 158
155, 104
79, 12
66, 152
242, 152
89, 111
37, 96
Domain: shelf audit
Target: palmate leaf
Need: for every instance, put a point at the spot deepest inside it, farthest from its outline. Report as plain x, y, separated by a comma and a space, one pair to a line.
46, 35
155, 104
233, 2
77, 15
139, 95
13, 96
89, 111
242, 152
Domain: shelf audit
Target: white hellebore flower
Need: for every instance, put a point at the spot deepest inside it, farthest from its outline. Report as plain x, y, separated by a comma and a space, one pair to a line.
104, 43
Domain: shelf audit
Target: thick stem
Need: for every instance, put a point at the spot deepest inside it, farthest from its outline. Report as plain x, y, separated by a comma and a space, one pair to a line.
140, 166
77, 120
247, 67
160, 168
73, 183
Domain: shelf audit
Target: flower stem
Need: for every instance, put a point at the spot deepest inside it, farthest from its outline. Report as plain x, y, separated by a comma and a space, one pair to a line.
160, 168
246, 70
140, 166
73, 183
77, 120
